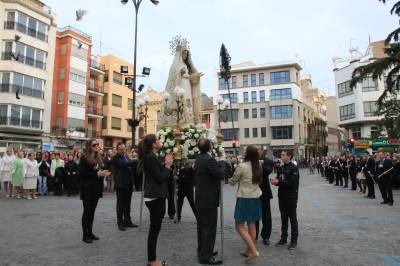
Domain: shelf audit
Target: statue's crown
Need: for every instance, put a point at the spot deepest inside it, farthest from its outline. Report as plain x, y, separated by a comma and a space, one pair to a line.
178, 43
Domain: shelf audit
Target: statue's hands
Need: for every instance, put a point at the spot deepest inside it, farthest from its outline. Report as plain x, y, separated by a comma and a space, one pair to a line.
185, 76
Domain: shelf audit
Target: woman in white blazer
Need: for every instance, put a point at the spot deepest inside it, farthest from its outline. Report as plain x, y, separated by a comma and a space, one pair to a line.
31, 174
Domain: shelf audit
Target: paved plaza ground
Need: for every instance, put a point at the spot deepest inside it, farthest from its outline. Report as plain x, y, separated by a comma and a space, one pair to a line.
337, 227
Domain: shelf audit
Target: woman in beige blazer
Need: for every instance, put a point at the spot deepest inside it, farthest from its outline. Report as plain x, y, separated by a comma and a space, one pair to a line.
248, 207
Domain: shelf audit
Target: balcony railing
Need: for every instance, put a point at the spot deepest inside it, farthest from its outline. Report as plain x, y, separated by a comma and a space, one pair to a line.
92, 110
96, 88
25, 60
93, 134
12, 88
12, 25
18, 122
94, 63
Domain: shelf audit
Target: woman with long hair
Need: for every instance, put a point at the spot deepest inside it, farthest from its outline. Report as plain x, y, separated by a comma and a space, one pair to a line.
248, 206
6, 164
155, 190
91, 186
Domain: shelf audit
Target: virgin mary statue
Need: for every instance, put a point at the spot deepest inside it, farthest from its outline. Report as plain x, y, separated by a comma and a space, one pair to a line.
182, 74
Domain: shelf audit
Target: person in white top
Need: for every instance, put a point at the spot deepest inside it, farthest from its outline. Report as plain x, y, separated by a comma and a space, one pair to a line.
5, 170
30, 176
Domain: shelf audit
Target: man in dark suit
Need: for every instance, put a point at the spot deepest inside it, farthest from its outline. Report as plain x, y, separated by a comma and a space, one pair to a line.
384, 181
268, 166
369, 172
208, 176
185, 188
123, 168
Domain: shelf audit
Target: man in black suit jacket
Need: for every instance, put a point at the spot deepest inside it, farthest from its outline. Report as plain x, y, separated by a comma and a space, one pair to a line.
369, 172
268, 166
208, 175
123, 168
384, 182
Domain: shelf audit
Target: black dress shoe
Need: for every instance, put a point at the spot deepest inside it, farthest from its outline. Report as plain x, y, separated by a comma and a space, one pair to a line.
292, 245
87, 240
121, 227
372, 197
390, 203
384, 202
211, 261
215, 253
130, 224
93, 237
266, 242
281, 242
171, 217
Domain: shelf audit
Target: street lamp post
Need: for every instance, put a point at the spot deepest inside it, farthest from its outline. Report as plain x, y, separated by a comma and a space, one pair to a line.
137, 5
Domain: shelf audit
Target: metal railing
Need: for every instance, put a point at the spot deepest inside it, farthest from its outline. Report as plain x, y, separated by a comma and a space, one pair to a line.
93, 110
94, 63
12, 25
96, 88
18, 122
12, 88
25, 60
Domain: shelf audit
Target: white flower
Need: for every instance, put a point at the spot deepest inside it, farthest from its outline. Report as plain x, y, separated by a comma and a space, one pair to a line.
192, 130
183, 138
175, 150
193, 142
166, 144
195, 149
196, 136
172, 143
162, 154
168, 130
168, 151
214, 151
191, 153
199, 130
162, 139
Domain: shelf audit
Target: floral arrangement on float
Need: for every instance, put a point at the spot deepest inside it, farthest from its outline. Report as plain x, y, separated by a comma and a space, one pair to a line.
191, 136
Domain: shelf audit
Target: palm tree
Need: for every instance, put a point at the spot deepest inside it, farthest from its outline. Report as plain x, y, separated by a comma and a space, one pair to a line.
389, 68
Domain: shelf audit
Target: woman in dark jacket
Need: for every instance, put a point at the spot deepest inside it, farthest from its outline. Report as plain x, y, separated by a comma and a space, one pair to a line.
91, 186
155, 190
71, 169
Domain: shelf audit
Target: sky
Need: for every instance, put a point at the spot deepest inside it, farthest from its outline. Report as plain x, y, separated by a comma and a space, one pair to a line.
262, 31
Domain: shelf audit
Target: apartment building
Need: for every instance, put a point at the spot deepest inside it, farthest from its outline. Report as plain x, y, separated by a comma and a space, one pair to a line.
267, 108
117, 102
77, 90
356, 106
28, 35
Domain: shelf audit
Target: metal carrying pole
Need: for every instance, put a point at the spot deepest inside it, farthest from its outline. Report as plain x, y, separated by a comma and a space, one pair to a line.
142, 202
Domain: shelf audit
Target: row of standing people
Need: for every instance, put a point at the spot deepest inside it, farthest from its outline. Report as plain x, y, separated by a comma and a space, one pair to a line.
26, 174
364, 172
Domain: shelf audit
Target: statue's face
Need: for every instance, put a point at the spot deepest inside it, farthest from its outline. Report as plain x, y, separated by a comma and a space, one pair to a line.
185, 54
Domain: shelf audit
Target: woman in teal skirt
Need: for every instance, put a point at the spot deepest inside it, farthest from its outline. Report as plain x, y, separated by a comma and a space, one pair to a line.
17, 174
248, 207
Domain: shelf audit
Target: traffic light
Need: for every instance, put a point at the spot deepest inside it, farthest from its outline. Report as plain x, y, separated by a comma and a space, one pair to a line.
234, 142
350, 144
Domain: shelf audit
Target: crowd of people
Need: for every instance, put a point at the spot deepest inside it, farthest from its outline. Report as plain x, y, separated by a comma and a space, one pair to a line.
93, 172
362, 172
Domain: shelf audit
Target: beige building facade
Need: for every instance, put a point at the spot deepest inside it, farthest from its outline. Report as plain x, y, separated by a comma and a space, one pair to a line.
27, 60
117, 102
267, 108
